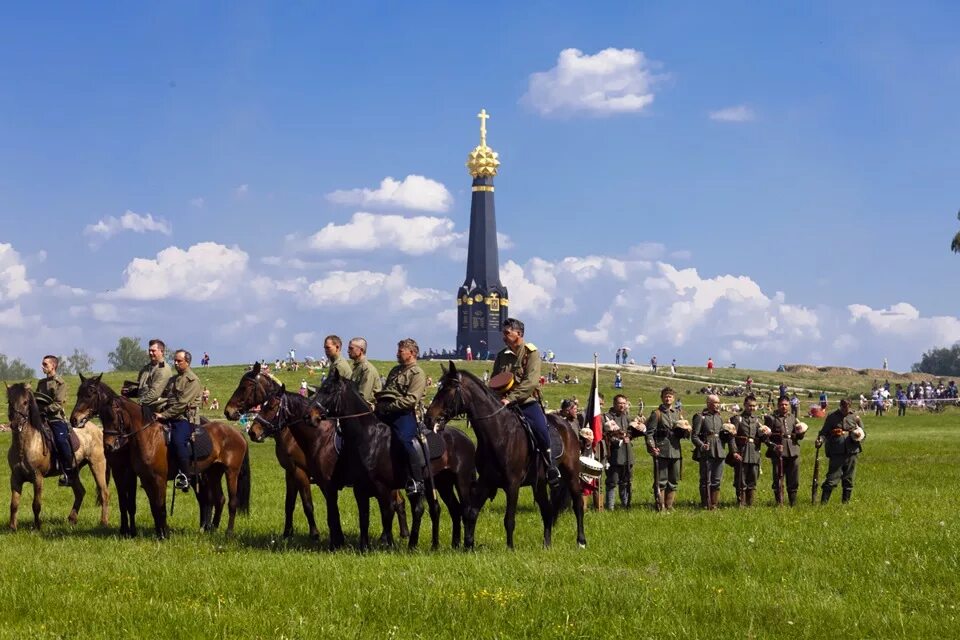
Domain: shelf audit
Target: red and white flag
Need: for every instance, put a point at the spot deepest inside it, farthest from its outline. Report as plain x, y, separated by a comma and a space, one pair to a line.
593, 417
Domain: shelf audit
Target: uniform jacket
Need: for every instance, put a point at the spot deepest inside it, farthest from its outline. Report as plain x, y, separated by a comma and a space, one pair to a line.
51, 396
620, 451
836, 434
525, 367
748, 438
343, 367
403, 389
367, 378
663, 433
152, 382
708, 429
183, 397
783, 431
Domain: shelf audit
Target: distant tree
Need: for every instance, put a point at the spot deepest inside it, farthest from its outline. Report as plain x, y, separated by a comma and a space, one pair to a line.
128, 356
955, 245
942, 361
16, 370
79, 362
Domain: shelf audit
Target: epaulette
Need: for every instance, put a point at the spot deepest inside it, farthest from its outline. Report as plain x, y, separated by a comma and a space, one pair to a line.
530, 346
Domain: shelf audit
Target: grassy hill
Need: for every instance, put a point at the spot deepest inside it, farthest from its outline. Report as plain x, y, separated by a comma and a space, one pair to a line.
883, 566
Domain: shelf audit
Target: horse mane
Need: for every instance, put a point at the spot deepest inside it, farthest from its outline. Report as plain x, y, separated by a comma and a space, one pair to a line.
19, 390
479, 383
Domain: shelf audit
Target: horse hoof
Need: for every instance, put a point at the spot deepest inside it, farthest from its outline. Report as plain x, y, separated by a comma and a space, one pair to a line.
581, 545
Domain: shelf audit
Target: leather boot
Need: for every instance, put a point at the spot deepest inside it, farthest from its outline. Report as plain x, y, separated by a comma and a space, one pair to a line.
714, 498
668, 499
597, 502
750, 493
553, 474
825, 494
846, 496
792, 496
609, 500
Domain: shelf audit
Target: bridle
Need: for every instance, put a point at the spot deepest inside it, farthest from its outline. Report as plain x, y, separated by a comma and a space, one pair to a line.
459, 405
116, 417
327, 414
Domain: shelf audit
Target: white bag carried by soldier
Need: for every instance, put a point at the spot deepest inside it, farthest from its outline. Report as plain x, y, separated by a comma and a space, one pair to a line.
858, 434
801, 428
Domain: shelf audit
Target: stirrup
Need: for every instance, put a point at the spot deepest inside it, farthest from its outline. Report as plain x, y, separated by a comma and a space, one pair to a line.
181, 481
64, 480
414, 487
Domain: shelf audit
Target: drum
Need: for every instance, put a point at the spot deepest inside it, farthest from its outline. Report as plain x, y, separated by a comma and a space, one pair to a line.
590, 467
502, 382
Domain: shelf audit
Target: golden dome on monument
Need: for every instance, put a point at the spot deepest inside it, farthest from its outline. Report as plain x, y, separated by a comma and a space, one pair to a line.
483, 161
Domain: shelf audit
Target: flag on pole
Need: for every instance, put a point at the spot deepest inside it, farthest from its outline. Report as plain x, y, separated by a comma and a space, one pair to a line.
593, 417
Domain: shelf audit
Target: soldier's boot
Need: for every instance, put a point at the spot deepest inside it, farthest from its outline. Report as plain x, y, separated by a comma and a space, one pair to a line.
609, 499
668, 499
704, 497
597, 502
825, 494
749, 500
792, 496
553, 474
714, 498
845, 498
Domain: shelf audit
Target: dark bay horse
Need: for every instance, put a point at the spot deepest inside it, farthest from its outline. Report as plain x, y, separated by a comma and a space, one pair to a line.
31, 458
254, 389
505, 458
375, 463
147, 456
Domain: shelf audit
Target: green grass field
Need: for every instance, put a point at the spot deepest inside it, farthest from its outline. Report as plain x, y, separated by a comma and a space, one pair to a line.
884, 566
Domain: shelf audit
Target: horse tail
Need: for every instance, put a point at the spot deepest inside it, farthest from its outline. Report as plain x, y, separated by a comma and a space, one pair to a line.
243, 484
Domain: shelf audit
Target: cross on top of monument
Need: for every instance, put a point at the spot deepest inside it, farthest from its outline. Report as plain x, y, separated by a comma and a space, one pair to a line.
483, 115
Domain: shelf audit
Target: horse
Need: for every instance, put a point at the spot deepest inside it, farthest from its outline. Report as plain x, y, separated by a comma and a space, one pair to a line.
505, 456
125, 428
31, 458
254, 389
375, 463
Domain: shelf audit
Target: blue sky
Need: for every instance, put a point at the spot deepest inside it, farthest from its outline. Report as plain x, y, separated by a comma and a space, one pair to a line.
756, 183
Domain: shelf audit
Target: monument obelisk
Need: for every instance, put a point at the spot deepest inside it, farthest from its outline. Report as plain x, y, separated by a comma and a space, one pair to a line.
482, 300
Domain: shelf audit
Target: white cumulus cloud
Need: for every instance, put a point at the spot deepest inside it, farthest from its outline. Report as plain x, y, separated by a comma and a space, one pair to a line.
903, 320
416, 235
613, 81
350, 288
129, 221
13, 274
739, 113
413, 192
205, 271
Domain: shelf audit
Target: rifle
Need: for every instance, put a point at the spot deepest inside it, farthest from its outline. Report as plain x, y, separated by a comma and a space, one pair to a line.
780, 479
816, 477
657, 496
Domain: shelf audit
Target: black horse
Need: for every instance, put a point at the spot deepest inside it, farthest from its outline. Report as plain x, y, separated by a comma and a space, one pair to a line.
299, 436
505, 457
375, 463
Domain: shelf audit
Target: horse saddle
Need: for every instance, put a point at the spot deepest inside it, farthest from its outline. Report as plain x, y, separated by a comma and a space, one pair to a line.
200, 442
435, 444
74, 440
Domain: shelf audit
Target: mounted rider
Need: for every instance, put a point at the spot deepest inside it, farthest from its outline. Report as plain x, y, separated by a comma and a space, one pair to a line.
521, 359
51, 395
182, 397
365, 375
152, 380
396, 405
331, 347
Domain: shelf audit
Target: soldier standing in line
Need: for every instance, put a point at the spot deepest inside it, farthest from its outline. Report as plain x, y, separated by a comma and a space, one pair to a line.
397, 403
783, 449
842, 432
51, 395
750, 433
665, 428
364, 373
181, 413
711, 445
331, 347
616, 432
152, 380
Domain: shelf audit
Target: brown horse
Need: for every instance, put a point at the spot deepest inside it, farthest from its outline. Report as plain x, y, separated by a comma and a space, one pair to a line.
254, 389
375, 463
148, 455
31, 458
505, 457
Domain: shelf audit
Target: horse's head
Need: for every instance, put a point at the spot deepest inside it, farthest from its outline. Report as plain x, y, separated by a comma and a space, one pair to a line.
90, 400
333, 399
254, 388
450, 399
270, 419
22, 407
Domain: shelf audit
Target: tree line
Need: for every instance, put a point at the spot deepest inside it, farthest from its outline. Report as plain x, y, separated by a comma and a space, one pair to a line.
129, 355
